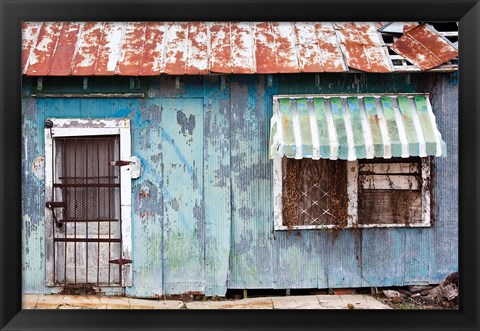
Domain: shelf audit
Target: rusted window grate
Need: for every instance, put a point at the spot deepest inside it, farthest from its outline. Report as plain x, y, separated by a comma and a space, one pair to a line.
87, 228
314, 192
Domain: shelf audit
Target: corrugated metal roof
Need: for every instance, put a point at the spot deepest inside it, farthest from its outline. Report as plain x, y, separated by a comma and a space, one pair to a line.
425, 47
197, 48
181, 48
354, 127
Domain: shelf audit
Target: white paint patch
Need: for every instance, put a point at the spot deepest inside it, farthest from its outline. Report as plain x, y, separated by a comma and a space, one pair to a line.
38, 167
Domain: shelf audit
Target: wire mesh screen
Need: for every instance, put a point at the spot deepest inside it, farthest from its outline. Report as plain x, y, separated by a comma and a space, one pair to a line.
314, 192
87, 229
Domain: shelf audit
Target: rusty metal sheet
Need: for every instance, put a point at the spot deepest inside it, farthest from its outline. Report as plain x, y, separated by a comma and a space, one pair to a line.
40, 58
265, 58
286, 49
62, 59
110, 46
197, 48
30, 31
153, 62
197, 54
318, 49
242, 61
87, 51
362, 47
176, 48
424, 47
132, 50
221, 54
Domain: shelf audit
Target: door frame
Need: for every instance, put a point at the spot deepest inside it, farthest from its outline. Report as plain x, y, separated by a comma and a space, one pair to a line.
76, 127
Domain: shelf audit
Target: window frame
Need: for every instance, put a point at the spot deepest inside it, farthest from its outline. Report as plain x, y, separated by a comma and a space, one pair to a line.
80, 127
352, 194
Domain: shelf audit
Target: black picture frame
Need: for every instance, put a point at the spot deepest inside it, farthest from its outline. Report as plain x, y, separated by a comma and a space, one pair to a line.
467, 12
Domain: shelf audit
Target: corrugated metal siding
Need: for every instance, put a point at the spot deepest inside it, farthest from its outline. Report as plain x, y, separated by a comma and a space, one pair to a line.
241, 249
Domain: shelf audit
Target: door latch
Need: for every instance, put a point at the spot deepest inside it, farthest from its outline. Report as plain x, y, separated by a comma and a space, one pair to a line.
56, 204
134, 166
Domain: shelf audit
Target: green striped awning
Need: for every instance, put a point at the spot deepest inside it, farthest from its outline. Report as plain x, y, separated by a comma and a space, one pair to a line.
354, 127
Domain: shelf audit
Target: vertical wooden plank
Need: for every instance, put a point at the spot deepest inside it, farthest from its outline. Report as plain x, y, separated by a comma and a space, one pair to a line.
217, 186
184, 220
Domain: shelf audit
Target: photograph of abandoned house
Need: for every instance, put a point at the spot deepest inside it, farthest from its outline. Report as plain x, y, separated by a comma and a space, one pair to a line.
208, 158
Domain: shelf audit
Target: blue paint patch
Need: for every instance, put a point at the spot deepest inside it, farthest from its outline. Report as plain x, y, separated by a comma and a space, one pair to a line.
166, 137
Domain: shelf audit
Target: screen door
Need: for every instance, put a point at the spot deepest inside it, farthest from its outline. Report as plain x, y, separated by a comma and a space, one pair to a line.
86, 212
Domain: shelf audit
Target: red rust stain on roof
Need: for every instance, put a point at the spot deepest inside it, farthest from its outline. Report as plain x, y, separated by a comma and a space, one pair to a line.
285, 47
362, 47
87, 52
197, 50
40, 61
221, 53
30, 32
242, 48
62, 59
265, 54
176, 48
132, 50
109, 48
424, 47
153, 61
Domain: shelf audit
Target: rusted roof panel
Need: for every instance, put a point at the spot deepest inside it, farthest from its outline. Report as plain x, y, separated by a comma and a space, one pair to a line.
153, 62
110, 48
176, 48
40, 58
196, 48
221, 55
132, 50
197, 54
87, 51
65, 49
362, 47
30, 35
424, 47
243, 56
265, 59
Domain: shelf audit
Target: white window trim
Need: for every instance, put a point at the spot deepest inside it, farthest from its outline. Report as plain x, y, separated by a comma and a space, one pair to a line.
68, 127
352, 193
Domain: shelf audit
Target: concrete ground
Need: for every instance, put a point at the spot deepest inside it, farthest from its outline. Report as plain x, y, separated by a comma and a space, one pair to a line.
358, 301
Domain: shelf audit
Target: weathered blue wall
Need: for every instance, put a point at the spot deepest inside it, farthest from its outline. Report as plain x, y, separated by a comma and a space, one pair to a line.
203, 209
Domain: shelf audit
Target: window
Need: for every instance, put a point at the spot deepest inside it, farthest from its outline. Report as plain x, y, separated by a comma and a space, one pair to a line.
316, 194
